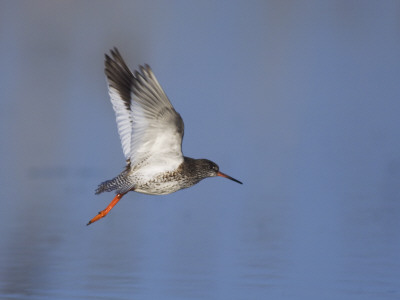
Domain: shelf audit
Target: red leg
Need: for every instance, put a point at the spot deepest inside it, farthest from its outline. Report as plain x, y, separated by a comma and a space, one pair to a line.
105, 211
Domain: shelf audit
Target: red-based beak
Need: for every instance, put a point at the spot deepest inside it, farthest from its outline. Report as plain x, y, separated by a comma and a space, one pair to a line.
229, 177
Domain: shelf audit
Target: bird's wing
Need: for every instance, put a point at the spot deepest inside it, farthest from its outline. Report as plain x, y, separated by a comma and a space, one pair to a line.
120, 81
156, 129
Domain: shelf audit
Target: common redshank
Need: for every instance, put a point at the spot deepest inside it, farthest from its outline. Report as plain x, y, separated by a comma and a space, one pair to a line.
151, 133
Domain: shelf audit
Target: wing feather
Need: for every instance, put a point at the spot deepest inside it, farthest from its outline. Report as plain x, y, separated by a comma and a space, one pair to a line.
149, 127
120, 80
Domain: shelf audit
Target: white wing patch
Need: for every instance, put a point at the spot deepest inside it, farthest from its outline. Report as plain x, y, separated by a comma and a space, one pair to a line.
124, 121
155, 139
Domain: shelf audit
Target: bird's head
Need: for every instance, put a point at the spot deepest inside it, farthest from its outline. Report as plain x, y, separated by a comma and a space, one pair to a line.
207, 168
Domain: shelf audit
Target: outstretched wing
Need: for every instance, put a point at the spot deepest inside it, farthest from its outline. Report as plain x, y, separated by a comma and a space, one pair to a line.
148, 125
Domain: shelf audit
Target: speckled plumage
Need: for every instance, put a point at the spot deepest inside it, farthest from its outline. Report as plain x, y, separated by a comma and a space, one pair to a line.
151, 134
187, 174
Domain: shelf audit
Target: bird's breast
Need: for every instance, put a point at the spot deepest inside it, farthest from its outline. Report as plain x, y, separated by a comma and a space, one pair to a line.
163, 183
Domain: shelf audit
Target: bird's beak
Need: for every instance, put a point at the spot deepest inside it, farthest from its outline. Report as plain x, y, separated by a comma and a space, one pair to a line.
229, 177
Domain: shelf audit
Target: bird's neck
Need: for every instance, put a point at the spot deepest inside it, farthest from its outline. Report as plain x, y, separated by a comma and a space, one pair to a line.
191, 167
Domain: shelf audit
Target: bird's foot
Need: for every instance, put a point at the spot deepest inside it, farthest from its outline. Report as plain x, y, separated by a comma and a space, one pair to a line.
105, 211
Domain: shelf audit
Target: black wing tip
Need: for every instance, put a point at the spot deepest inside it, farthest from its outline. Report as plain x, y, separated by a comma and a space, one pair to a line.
115, 56
115, 52
119, 76
114, 59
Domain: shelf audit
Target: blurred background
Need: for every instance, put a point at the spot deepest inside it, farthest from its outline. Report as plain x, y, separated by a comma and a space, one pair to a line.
297, 99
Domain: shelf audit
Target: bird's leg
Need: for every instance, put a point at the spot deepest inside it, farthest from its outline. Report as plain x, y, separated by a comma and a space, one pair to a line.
105, 211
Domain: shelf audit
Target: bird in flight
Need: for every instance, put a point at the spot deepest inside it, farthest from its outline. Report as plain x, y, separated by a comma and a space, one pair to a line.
151, 133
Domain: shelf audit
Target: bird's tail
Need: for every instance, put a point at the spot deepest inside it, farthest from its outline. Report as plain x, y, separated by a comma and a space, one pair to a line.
119, 183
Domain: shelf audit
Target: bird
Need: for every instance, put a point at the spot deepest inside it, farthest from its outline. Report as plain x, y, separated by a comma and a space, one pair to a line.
151, 133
